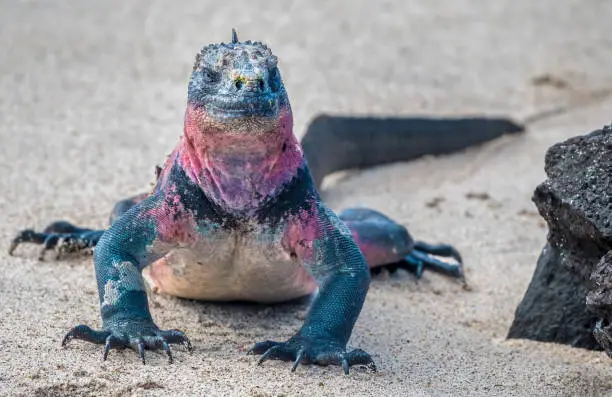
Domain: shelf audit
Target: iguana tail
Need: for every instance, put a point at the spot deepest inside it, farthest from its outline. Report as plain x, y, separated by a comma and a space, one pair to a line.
334, 143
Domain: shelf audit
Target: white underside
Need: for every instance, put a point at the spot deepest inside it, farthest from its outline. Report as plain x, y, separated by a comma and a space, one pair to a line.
231, 266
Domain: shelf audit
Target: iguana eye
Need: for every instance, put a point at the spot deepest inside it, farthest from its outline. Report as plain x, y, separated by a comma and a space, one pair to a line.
210, 76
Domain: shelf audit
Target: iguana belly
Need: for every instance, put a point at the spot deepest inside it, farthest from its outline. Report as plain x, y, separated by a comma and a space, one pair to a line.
233, 266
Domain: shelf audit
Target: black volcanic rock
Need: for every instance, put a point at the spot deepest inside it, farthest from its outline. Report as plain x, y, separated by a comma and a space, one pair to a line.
576, 202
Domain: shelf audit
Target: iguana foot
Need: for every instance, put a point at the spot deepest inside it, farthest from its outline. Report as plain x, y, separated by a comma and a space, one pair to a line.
138, 336
603, 337
305, 351
61, 236
418, 261
444, 250
420, 258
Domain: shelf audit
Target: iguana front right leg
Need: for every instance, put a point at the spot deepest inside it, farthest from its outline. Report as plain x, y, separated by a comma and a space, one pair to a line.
123, 251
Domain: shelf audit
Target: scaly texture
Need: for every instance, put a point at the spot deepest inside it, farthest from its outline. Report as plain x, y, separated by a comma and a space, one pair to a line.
235, 215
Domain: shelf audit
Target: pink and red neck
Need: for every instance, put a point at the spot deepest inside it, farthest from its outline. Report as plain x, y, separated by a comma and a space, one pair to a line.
239, 167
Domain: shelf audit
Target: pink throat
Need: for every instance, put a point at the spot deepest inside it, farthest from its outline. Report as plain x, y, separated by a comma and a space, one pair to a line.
238, 170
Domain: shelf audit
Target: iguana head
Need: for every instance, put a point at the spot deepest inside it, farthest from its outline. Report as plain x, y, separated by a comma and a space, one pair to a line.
237, 87
238, 142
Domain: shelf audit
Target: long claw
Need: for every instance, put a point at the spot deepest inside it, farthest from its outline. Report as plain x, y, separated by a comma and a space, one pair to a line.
267, 354
178, 336
187, 345
85, 333
25, 236
107, 348
13, 246
68, 337
166, 347
359, 357
345, 365
416, 264
141, 351
41, 254
59, 248
186, 342
261, 347
298, 360
419, 270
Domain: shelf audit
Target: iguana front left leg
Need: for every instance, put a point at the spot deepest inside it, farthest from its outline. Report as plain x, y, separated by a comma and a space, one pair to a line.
333, 258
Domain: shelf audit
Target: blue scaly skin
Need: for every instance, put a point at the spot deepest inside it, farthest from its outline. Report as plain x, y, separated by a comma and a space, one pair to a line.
235, 215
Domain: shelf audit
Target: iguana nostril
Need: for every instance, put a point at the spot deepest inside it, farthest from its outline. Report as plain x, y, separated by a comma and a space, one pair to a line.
251, 85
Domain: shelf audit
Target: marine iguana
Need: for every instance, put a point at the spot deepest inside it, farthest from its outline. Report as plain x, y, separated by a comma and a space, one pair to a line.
235, 214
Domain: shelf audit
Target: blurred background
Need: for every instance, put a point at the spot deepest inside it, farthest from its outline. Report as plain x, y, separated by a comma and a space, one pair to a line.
132, 59
86, 72
92, 95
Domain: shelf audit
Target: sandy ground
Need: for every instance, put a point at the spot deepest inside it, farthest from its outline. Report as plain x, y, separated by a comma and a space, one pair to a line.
91, 98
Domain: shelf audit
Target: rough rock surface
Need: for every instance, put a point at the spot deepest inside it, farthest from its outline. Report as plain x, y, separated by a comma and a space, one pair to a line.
599, 298
576, 202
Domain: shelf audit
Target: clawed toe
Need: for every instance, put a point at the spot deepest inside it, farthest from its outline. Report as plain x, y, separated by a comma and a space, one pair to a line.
61, 236
421, 258
300, 352
149, 340
27, 235
261, 347
176, 336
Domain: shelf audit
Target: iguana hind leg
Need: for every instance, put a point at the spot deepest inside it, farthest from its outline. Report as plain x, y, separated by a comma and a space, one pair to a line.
64, 237
61, 236
387, 244
420, 260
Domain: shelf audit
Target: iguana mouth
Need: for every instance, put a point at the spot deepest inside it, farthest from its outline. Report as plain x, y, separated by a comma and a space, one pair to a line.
231, 107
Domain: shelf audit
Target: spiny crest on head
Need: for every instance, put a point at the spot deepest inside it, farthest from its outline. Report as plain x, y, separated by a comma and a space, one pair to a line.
224, 54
